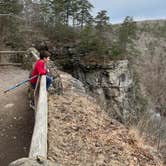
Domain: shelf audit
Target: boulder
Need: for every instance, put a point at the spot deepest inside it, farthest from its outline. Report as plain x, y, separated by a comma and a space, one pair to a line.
39, 161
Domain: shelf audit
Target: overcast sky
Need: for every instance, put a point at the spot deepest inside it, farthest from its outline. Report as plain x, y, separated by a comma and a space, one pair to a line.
139, 9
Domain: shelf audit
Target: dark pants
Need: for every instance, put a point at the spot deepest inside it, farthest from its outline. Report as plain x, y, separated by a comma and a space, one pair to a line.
48, 82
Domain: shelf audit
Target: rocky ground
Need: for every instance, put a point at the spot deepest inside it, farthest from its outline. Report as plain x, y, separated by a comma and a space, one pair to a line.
80, 133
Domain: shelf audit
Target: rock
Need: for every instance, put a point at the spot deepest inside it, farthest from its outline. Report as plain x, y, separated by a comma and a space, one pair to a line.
39, 161
30, 58
110, 84
10, 105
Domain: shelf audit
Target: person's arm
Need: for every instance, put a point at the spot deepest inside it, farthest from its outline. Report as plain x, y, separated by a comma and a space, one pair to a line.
41, 68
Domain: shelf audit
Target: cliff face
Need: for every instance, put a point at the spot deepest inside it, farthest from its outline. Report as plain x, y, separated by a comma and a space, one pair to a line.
81, 133
110, 84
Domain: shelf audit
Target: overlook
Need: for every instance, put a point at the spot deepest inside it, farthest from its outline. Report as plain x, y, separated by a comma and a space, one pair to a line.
76, 89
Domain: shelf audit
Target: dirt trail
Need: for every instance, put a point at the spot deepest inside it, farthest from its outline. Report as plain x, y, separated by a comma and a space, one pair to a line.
16, 120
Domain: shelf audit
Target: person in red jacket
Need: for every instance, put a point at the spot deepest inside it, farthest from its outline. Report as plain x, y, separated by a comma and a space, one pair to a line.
40, 69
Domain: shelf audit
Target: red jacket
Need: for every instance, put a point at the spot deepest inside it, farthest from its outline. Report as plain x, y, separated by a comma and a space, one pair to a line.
39, 69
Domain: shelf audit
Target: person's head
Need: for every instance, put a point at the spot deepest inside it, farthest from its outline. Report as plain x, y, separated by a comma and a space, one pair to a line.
45, 55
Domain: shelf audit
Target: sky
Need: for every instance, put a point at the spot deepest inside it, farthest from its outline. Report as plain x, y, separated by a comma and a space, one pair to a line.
138, 9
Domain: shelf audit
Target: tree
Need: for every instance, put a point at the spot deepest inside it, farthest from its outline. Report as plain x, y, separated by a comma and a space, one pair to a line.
67, 11
10, 7
83, 15
91, 42
45, 12
126, 34
57, 10
74, 11
30, 11
101, 20
152, 70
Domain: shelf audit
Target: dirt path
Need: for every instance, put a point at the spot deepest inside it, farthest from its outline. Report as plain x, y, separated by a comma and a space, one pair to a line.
16, 120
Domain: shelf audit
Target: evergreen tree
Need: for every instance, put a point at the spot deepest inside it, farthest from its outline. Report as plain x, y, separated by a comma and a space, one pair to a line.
46, 13
101, 20
67, 11
28, 11
74, 11
127, 33
91, 42
57, 9
83, 15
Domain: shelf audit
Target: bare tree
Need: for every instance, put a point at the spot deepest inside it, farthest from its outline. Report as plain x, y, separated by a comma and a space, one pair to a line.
152, 70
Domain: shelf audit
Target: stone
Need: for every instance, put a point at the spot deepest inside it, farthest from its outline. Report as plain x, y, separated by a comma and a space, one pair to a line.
39, 161
110, 84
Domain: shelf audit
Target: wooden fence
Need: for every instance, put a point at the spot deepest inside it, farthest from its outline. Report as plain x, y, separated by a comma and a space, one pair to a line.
11, 58
39, 138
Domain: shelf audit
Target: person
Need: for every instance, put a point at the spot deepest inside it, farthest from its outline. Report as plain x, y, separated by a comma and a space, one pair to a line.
40, 69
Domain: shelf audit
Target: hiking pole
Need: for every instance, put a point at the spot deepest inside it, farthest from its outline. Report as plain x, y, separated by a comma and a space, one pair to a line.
20, 84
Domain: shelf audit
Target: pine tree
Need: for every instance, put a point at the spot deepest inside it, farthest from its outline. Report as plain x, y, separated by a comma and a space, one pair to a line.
127, 33
74, 11
83, 15
46, 14
57, 8
66, 12
101, 20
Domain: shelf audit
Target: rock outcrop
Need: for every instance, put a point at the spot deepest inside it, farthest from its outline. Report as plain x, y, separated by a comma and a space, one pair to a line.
111, 84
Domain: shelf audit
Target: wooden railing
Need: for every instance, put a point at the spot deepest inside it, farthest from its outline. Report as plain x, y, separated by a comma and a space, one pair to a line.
39, 138
11, 57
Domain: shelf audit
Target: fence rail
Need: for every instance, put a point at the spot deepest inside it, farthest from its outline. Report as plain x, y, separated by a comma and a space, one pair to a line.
12, 15
11, 58
11, 52
39, 138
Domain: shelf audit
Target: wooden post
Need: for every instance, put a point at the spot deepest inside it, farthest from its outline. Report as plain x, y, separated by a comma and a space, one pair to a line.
39, 138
